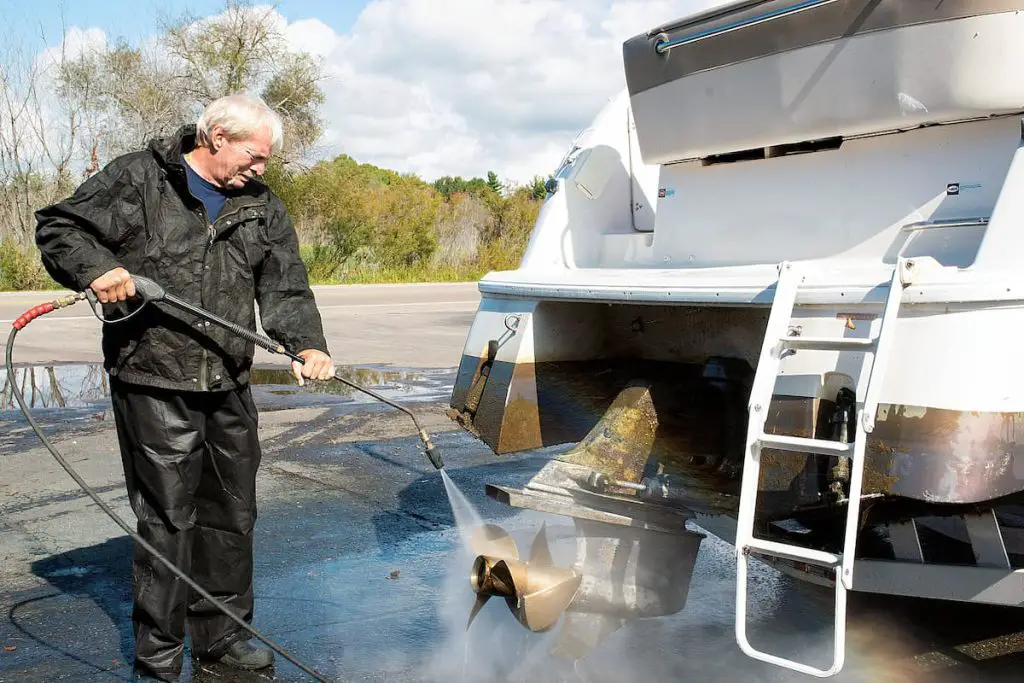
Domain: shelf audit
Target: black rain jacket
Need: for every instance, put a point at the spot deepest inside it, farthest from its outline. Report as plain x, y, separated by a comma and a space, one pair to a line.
138, 213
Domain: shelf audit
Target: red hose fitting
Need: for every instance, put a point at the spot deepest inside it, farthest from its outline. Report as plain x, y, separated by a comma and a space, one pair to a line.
32, 314
43, 309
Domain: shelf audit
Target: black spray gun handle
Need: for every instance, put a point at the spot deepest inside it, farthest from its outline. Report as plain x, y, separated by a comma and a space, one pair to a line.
149, 291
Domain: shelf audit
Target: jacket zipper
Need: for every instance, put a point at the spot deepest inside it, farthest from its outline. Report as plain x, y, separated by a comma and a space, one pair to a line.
204, 355
211, 228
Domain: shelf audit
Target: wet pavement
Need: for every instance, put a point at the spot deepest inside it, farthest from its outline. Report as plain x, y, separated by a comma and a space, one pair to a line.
360, 571
83, 387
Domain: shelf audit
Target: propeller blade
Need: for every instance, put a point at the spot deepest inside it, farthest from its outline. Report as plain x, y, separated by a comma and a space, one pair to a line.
540, 552
541, 608
492, 540
536, 592
481, 600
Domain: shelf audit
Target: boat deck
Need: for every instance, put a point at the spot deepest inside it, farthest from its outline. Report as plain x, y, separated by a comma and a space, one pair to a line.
828, 282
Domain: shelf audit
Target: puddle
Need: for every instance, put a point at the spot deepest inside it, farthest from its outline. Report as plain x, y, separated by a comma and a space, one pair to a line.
276, 388
56, 386
68, 571
86, 386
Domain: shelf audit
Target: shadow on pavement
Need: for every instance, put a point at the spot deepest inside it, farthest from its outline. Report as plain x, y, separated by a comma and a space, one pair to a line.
80, 621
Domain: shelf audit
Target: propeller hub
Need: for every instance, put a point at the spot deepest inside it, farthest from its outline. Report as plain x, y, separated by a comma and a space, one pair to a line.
486, 581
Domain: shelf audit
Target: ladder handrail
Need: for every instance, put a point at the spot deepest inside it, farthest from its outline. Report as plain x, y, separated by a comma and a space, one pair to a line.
944, 223
710, 14
880, 360
866, 420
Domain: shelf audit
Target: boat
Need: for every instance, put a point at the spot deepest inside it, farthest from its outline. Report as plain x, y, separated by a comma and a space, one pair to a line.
773, 295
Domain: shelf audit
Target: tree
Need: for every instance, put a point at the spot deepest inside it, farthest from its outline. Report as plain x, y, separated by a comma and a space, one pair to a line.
477, 187
38, 137
127, 97
494, 183
538, 187
245, 48
295, 94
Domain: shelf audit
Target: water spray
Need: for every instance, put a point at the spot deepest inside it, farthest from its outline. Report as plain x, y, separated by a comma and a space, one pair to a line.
149, 291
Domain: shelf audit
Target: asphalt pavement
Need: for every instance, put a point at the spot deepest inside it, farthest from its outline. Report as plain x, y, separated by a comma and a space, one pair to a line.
361, 570
408, 325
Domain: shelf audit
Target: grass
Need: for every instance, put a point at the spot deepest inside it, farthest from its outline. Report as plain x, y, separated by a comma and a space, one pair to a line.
388, 275
325, 267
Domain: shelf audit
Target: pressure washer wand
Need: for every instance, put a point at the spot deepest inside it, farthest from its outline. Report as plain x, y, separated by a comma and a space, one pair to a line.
151, 291
432, 452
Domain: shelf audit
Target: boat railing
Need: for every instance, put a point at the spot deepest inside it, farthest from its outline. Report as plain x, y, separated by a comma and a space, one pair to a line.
665, 44
709, 14
916, 228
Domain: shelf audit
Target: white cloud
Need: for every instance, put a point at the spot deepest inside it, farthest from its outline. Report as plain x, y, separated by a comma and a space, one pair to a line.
312, 36
463, 87
77, 42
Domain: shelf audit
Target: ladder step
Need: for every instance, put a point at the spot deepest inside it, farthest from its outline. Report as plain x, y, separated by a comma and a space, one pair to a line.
828, 343
795, 553
804, 445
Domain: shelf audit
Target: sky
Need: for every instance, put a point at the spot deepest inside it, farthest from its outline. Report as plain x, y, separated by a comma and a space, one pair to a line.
433, 87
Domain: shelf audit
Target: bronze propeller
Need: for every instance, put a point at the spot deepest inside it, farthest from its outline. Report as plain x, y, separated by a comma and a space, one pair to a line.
536, 591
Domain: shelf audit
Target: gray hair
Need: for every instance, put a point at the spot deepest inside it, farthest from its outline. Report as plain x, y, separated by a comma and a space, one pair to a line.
240, 116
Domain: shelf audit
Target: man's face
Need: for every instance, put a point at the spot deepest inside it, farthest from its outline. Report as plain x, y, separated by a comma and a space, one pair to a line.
239, 161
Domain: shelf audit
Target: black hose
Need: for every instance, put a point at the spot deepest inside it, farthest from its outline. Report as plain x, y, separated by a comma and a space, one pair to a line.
135, 537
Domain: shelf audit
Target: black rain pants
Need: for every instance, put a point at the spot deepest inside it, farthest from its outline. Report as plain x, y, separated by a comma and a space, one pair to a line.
190, 461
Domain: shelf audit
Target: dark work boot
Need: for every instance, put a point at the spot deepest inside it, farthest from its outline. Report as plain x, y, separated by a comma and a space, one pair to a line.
243, 654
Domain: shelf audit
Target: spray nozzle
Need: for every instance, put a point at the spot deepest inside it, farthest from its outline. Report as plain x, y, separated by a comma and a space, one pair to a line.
435, 456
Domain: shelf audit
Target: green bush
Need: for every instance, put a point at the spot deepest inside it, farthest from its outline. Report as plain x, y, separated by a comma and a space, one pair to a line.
22, 271
358, 223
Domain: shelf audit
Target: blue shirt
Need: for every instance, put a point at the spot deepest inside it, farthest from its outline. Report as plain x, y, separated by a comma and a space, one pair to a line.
210, 195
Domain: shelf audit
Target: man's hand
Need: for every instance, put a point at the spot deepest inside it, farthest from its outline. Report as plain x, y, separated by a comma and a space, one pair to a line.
114, 285
318, 365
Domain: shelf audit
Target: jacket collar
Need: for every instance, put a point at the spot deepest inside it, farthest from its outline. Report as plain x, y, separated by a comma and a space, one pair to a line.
168, 150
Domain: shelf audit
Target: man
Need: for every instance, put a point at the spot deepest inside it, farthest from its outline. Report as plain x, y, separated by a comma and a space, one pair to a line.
188, 213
